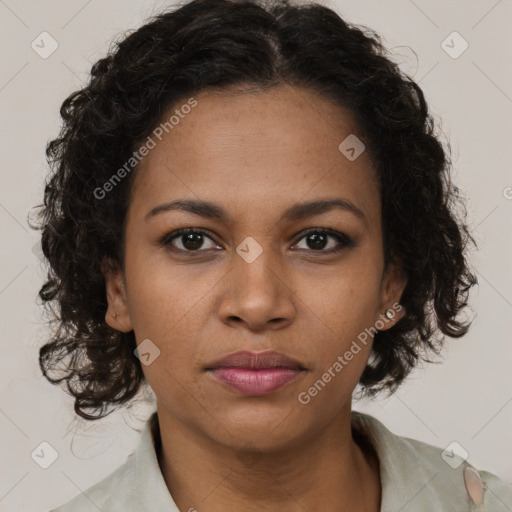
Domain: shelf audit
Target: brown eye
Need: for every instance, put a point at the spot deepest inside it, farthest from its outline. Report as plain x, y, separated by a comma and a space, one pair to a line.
318, 239
188, 240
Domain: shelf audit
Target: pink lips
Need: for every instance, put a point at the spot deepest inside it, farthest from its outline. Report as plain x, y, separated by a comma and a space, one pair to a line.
252, 373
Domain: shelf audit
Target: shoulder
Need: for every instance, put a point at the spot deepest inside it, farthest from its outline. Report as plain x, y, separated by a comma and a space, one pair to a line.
111, 493
484, 490
136, 485
419, 476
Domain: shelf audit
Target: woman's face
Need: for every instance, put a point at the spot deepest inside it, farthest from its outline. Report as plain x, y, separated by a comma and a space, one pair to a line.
254, 280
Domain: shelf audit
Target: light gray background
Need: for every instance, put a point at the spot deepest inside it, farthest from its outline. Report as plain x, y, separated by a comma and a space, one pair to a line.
467, 399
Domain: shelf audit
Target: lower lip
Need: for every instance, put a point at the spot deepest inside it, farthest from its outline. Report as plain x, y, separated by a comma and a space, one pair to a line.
255, 382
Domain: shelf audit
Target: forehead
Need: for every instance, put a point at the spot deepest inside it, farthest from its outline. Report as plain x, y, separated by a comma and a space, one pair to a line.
258, 149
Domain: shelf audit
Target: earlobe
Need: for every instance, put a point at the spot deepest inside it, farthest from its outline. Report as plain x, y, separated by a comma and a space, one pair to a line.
392, 315
117, 315
393, 285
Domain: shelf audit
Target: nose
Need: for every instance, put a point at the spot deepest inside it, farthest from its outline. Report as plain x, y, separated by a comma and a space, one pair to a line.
257, 294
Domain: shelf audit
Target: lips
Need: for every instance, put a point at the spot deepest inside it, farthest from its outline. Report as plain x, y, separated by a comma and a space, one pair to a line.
255, 361
255, 374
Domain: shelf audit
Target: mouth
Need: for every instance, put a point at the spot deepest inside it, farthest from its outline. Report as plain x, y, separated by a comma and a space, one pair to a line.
255, 374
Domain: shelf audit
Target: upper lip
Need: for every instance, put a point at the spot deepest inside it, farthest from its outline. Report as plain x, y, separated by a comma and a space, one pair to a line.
256, 360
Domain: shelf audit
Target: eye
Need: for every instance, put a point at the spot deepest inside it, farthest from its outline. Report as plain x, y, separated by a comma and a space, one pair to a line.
317, 240
193, 240
190, 239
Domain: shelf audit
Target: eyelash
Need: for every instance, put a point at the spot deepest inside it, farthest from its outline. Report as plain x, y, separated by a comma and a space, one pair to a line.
343, 240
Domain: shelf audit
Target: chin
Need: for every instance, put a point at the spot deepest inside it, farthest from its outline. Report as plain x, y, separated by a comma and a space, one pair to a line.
267, 427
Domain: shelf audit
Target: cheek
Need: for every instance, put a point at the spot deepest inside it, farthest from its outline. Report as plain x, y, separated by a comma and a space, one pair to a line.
347, 308
161, 309
348, 303
345, 346
161, 296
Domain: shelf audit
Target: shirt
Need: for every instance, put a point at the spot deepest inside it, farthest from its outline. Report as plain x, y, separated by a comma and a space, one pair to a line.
414, 478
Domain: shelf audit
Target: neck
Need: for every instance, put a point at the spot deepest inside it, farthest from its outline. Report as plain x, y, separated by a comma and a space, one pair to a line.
328, 472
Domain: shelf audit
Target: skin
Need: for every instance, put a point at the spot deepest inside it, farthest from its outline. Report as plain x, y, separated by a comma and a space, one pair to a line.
255, 155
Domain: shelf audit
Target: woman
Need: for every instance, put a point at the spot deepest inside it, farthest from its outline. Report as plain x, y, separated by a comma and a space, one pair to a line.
250, 213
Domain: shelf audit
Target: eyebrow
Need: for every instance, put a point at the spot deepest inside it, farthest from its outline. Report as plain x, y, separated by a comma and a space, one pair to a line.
296, 212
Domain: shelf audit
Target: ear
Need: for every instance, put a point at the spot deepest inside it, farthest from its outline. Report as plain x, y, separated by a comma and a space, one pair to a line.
392, 287
117, 315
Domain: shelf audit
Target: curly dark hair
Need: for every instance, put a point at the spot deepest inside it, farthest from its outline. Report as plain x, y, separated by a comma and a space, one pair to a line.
218, 44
